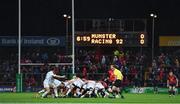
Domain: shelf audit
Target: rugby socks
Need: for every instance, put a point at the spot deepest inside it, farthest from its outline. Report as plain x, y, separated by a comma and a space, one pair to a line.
90, 92
43, 90
78, 92
55, 92
113, 93
106, 93
69, 90
170, 92
121, 94
173, 92
45, 93
96, 92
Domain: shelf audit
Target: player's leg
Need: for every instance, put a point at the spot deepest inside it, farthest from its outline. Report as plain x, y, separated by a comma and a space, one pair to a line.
78, 92
170, 90
46, 92
156, 89
68, 91
64, 91
90, 92
96, 92
115, 88
47, 89
61, 88
83, 90
114, 91
70, 88
74, 91
103, 91
41, 91
56, 92
173, 90
84, 93
120, 92
117, 92
55, 86
120, 89
110, 90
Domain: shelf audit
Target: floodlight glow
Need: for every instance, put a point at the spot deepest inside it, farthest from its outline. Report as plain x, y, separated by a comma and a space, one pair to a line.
65, 15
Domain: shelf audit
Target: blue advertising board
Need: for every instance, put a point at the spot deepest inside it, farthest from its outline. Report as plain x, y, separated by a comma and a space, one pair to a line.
33, 41
7, 89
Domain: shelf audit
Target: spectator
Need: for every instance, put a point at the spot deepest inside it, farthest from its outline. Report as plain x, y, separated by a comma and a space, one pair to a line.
103, 60
177, 63
84, 72
30, 82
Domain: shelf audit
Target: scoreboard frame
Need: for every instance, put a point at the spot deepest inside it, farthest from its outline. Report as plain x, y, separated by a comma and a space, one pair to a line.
134, 39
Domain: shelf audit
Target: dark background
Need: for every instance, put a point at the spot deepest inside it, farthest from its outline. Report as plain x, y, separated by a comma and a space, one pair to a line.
44, 17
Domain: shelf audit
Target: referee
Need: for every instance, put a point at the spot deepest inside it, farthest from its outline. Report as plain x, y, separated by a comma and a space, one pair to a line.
117, 83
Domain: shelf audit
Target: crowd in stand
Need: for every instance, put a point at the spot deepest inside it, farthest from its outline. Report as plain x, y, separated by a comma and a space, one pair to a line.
44, 55
130, 63
8, 68
161, 65
91, 64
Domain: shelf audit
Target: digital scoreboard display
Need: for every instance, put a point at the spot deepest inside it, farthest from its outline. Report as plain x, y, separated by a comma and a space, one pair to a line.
111, 39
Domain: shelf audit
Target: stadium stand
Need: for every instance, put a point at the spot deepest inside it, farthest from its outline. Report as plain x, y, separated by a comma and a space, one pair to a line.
90, 64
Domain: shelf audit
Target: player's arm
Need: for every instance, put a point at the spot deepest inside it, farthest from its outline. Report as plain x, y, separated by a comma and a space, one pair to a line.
177, 81
71, 81
58, 76
167, 83
86, 81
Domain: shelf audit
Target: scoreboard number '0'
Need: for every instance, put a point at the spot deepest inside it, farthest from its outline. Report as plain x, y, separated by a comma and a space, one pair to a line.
142, 39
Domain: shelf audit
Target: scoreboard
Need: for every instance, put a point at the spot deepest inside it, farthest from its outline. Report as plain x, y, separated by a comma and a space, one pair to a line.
112, 39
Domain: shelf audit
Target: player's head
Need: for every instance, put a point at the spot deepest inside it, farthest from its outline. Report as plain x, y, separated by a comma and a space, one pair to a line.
112, 67
55, 70
74, 77
170, 73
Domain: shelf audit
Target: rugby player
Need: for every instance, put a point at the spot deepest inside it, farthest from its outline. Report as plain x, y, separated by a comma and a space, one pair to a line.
100, 89
88, 88
49, 82
172, 83
117, 83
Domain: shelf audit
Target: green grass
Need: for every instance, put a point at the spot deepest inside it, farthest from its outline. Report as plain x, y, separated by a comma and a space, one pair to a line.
129, 98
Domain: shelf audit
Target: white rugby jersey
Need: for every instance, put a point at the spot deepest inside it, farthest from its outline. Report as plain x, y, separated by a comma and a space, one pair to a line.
78, 82
91, 84
57, 83
49, 77
99, 85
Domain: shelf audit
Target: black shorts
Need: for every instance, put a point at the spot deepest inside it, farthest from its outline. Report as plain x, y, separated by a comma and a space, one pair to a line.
117, 83
110, 83
172, 85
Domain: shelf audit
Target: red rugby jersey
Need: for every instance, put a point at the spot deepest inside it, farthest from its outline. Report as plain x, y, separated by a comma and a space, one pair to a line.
111, 75
172, 79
